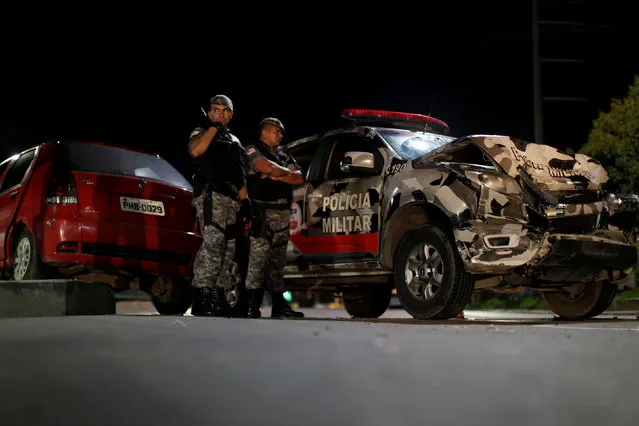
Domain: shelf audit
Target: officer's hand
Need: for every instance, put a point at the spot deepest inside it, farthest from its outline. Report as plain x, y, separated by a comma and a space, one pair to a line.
208, 123
246, 209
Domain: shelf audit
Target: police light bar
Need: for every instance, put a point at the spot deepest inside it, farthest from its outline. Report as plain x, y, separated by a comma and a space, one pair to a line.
396, 119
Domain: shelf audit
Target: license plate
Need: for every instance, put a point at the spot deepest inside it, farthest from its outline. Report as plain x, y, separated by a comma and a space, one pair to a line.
137, 205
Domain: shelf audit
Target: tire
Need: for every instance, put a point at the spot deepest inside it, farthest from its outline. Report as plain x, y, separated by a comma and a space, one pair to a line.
26, 263
450, 284
373, 303
171, 296
593, 300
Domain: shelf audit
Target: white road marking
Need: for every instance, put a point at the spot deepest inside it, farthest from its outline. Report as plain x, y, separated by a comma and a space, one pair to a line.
580, 327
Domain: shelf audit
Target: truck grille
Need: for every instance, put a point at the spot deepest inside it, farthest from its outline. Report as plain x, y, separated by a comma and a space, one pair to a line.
574, 225
583, 224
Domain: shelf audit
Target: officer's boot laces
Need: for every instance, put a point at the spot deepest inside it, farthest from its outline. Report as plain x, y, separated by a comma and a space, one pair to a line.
281, 309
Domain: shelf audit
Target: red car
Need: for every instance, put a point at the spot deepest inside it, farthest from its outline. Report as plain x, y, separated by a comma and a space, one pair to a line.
99, 212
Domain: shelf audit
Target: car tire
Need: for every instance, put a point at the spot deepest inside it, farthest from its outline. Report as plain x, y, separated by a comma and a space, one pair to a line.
591, 301
173, 297
443, 277
26, 263
372, 303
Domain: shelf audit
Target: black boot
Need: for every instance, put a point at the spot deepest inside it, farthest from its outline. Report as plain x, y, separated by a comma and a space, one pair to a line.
220, 305
281, 309
254, 302
209, 302
202, 302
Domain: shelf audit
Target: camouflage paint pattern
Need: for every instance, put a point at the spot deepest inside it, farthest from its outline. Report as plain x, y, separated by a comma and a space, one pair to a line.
267, 260
550, 168
480, 200
213, 265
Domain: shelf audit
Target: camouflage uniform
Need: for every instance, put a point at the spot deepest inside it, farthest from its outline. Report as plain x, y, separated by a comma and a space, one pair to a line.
269, 230
213, 265
220, 174
267, 256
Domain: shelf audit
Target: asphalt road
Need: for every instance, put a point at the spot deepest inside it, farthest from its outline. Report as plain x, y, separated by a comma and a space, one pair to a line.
400, 316
146, 369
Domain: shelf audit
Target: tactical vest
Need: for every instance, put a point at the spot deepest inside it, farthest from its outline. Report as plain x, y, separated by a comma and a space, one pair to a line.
222, 168
267, 189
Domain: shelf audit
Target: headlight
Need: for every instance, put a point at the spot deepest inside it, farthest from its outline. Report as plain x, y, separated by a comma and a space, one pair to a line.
613, 202
612, 199
500, 183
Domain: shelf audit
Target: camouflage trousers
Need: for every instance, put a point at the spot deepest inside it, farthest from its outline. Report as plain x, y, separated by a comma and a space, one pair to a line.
214, 265
267, 253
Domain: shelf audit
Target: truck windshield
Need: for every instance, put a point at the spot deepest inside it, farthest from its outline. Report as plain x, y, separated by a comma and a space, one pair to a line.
410, 144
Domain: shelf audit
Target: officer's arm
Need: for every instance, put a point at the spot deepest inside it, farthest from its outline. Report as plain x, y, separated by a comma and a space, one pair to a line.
294, 178
261, 164
200, 141
242, 193
270, 168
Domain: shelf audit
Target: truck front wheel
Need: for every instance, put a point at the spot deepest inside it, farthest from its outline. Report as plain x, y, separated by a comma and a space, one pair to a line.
429, 275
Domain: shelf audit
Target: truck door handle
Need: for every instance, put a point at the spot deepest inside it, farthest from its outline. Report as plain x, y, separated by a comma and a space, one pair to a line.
14, 194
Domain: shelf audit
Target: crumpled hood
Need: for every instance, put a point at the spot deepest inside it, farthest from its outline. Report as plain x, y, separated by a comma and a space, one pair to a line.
549, 168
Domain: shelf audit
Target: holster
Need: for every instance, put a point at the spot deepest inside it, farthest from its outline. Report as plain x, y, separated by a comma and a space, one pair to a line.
259, 227
207, 208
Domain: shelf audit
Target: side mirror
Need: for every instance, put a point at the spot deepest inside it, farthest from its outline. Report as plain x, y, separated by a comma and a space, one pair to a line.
357, 161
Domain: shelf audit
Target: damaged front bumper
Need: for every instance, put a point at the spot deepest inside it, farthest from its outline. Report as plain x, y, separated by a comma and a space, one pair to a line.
504, 248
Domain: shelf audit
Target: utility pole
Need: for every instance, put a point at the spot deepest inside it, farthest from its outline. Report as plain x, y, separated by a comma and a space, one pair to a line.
538, 97
537, 94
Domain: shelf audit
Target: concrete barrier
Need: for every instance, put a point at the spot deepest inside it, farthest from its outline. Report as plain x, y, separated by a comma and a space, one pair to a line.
624, 305
47, 298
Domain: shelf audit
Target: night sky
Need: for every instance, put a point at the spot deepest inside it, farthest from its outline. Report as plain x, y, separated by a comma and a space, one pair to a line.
140, 81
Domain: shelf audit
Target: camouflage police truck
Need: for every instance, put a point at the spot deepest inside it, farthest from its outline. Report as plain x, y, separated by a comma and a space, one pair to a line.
391, 201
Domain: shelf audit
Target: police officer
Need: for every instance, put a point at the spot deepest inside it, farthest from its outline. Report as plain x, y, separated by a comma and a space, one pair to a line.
221, 200
269, 180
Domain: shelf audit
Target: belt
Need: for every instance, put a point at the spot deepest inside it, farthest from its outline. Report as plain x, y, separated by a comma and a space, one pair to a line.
273, 205
225, 188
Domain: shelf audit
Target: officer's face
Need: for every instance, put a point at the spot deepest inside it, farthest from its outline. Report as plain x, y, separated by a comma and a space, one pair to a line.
220, 113
272, 135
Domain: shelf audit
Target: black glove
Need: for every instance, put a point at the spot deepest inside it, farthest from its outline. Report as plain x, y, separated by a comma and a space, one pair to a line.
219, 126
209, 123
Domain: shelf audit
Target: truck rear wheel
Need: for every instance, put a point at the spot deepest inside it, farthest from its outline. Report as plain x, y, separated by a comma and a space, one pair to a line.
583, 301
429, 275
171, 296
371, 303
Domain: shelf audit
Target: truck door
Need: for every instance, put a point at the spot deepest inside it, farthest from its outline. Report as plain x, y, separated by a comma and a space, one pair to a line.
342, 215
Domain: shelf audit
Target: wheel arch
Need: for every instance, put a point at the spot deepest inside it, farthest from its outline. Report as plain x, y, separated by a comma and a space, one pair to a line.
407, 217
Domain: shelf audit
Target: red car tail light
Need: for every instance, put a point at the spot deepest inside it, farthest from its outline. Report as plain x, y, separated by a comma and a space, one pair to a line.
62, 190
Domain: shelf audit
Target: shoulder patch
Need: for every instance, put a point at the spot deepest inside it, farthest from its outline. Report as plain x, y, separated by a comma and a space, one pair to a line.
251, 150
195, 132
